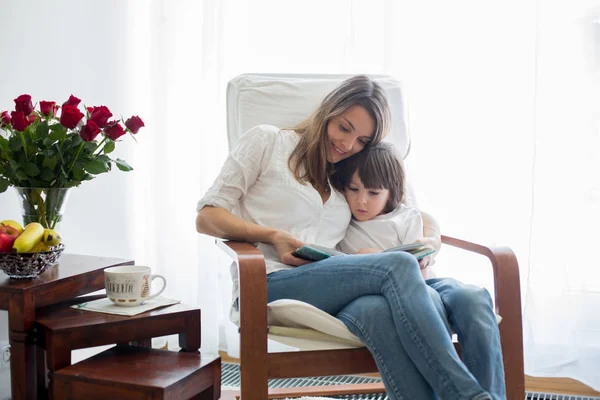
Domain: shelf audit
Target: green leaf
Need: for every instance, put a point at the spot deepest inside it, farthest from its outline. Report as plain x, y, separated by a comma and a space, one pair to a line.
104, 158
87, 177
58, 132
96, 167
109, 147
90, 147
31, 169
41, 132
15, 142
3, 143
78, 173
76, 140
34, 183
49, 162
4, 184
21, 175
72, 183
47, 174
122, 165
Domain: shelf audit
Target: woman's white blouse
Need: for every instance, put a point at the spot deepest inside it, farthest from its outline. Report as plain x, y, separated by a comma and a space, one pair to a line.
256, 184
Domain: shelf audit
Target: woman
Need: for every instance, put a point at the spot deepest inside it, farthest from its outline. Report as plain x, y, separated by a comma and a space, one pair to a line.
279, 179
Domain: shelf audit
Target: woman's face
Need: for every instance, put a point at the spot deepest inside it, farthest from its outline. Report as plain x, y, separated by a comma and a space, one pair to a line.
349, 133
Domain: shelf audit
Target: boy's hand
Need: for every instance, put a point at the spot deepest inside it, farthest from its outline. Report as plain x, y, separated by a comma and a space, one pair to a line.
435, 244
368, 250
426, 262
286, 244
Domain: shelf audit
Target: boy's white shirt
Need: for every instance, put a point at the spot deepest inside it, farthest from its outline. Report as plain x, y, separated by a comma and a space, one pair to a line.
401, 226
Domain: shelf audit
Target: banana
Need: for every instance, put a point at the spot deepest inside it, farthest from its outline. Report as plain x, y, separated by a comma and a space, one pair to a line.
13, 224
51, 237
32, 234
40, 246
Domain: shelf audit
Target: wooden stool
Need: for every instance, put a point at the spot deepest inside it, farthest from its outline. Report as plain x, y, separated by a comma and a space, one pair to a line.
61, 329
126, 372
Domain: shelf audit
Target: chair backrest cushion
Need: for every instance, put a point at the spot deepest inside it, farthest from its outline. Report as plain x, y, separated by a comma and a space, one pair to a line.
284, 100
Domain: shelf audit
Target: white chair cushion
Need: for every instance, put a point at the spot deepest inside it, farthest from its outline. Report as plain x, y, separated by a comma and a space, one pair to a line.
297, 314
308, 322
286, 100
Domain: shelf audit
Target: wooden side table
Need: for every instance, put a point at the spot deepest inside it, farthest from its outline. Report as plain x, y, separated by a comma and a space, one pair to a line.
73, 276
137, 373
63, 329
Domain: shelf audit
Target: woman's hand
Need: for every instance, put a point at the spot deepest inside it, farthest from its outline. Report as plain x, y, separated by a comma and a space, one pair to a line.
434, 243
368, 250
286, 244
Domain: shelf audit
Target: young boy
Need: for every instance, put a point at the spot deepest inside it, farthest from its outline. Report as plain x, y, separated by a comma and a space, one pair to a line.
373, 182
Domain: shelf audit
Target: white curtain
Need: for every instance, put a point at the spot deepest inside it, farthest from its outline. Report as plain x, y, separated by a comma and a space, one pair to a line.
504, 114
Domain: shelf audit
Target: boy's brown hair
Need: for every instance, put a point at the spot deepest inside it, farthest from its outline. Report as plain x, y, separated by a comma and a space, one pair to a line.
379, 167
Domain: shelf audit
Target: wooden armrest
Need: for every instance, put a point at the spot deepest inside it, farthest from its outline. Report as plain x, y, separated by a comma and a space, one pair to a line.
252, 282
253, 305
507, 288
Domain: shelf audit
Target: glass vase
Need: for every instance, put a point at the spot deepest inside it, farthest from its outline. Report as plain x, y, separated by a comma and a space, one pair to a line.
43, 205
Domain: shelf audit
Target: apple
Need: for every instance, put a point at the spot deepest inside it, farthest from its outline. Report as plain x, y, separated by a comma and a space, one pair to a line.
8, 235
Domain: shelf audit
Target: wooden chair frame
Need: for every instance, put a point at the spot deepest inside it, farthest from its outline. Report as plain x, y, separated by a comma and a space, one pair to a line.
258, 366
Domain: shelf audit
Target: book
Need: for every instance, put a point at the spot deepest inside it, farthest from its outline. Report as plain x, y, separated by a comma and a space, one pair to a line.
314, 252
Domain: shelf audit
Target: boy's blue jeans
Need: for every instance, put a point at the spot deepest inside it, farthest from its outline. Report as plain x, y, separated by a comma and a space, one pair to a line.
384, 301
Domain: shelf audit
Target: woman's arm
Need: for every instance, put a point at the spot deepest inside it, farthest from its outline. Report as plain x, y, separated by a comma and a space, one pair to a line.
215, 221
218, 222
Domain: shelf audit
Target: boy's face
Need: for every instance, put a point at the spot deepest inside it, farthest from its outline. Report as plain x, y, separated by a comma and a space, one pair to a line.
364, 203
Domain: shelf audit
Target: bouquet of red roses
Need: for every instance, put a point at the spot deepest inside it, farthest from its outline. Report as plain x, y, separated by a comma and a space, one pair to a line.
59, 146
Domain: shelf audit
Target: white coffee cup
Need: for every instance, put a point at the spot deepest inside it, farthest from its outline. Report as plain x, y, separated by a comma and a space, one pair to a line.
129, 286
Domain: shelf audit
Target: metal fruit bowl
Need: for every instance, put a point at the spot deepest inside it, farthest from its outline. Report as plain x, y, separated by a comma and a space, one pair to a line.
29, 265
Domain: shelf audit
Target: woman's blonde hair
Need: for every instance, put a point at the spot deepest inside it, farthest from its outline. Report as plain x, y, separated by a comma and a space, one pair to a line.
308, 162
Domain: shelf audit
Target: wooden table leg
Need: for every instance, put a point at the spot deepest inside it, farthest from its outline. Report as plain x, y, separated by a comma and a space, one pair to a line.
23, 374
147, 343
213, 392
42, 373
58, 355
22, 367
190, 340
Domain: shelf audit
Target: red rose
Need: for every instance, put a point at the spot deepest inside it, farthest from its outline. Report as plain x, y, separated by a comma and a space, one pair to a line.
70, 116
89, 131
100, 116
134, 124
90, 109
73, 101
4, 119
23, 104
47, 108
31, 118
18, 121
114, 131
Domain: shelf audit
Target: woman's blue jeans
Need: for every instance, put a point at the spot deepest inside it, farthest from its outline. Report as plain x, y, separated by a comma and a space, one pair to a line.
384, 301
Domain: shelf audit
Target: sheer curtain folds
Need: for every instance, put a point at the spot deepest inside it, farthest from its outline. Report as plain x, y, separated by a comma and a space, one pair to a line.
504, 113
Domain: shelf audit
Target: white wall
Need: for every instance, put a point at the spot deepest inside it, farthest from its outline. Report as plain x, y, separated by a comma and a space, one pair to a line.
53, 49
